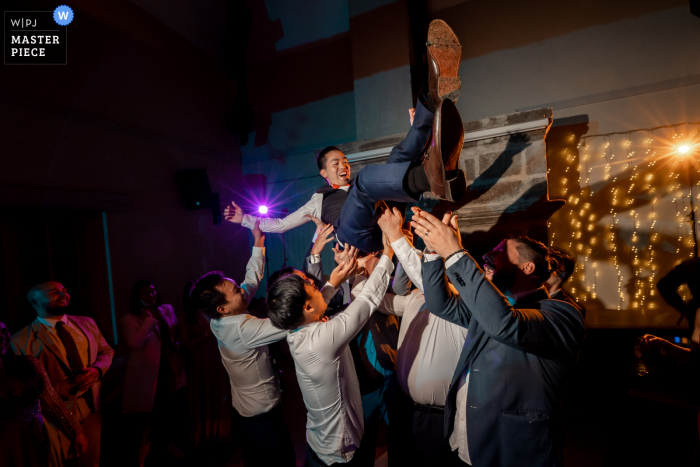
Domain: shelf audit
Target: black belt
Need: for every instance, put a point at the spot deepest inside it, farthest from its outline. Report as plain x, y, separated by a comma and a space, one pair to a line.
429, 408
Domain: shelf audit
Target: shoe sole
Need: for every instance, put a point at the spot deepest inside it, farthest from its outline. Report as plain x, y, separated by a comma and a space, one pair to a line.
446, 50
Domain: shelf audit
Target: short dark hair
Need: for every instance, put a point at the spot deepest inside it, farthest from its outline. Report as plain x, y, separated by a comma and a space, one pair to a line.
206, 297
537, 253
321, 156
135, 304
285, 302
563, 263
276, 275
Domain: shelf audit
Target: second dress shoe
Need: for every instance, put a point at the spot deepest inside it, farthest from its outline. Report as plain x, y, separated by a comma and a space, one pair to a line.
441, 160
444, 55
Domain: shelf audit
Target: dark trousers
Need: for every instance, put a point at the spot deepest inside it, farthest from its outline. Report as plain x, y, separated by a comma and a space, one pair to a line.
264, 439
359, 459
382, 182
415, 436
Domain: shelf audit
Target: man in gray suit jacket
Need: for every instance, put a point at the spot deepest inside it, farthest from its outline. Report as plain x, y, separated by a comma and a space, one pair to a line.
503, 407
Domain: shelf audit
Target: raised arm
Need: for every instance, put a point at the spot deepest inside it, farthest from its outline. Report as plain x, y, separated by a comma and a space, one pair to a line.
440, 299
555, 330
330, 338
392, 304
256, 266
410, 260
313, 267
235, 214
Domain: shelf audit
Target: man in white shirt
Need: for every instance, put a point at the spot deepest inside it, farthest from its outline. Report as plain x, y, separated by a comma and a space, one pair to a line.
323, 359
428, 352
243, 342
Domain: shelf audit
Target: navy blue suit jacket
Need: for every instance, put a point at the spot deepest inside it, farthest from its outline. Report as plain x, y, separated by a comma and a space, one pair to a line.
518, 358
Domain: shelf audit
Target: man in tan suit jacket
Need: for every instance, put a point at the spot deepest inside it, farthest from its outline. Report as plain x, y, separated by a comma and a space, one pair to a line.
76, 356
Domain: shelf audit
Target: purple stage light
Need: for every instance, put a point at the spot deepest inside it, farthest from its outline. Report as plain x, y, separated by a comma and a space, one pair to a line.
262, 209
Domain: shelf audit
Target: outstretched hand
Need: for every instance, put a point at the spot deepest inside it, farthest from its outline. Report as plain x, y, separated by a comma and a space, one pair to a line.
324, 234
350, 252
319, 223
233, 213
442, 237
342, 272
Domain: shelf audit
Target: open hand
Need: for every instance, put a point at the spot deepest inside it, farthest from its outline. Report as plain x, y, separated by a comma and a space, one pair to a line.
324, 235
319, 223
233, 213
350, 252
343, 272
442, 237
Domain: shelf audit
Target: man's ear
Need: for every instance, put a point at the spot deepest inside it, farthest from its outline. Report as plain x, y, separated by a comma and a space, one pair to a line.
307, 307
221, 310
323, 173
528, 268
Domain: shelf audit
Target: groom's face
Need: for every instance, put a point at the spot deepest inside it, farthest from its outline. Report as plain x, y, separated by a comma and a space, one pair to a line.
337, 170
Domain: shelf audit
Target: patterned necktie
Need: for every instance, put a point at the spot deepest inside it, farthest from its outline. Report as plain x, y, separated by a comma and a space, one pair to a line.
72, 353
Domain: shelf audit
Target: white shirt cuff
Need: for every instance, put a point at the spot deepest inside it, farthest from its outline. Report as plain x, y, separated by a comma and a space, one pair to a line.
431, 257
313, 259
249, 221
258, 251
401, 246
454, 259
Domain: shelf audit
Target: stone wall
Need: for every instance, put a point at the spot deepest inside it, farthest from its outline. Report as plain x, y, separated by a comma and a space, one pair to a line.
504, 161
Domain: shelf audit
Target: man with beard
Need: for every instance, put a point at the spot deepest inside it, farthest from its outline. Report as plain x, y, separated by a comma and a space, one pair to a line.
503, 407
436, 135
76, 357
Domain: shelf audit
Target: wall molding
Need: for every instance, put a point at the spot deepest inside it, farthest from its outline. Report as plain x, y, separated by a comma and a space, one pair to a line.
469, 136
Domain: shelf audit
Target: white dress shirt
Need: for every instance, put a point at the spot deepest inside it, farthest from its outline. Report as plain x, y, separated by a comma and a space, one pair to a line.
326, 372
295, 219
429, 347
458, 439
243, 343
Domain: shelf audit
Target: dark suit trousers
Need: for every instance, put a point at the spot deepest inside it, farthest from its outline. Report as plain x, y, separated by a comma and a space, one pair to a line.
415, 435
264, 439
382, 182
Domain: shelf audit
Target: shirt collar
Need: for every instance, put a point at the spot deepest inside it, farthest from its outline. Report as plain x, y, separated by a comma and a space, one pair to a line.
514, 298
51, 322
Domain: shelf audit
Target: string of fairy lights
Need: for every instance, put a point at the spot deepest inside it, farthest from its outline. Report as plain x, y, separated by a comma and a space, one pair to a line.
614, 206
